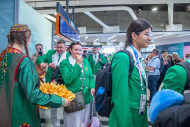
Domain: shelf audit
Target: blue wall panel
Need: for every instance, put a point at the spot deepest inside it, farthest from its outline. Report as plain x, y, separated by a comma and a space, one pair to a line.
179, 48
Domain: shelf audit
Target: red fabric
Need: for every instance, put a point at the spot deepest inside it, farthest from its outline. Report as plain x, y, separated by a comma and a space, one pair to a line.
178, 60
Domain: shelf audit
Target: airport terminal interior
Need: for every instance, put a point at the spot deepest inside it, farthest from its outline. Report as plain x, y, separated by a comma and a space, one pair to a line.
82, 45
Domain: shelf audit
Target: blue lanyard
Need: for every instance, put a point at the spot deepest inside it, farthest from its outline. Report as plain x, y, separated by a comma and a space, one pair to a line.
136, 55
138, 64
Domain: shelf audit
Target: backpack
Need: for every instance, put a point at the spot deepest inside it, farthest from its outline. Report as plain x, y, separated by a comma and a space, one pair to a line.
161, 64
178, 60
177, 116
103, 87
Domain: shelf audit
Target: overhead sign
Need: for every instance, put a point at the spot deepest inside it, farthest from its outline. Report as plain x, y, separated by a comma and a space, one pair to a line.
65, 28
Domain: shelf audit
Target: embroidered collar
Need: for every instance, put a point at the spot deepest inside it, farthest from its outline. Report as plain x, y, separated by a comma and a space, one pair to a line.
95, 58
14, 50
142, 64
7, 50
73, 61
55, 58
131, 51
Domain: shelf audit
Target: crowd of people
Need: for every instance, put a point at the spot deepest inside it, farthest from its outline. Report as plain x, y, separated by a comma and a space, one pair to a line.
20, 84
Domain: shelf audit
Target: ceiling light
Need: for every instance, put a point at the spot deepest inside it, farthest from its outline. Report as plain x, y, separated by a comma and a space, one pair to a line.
55, 13
163, 36
55, 40
168, 34
161, 25
183, 35
155, 9
113, 40
96, 40
140, 8
112, 37
86, 37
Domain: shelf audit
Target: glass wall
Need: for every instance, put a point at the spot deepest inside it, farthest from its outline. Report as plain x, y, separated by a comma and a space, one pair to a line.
41, 27
6, 21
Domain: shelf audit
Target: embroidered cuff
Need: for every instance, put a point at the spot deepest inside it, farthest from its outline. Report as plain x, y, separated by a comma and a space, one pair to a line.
63, 102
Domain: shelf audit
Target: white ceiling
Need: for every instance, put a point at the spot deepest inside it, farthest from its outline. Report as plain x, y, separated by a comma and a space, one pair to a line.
47, 3
120, 37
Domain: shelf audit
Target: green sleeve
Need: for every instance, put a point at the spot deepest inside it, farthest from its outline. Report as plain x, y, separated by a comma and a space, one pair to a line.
91, 77
120, 96
30, 83
103, 59
175, 79
42, 59
69, 75
90, 61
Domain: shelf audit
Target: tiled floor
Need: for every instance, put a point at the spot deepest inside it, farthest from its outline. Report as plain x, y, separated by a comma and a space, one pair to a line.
46, 118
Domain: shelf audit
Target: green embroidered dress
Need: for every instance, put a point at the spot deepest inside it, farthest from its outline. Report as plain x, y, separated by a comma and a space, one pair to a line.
19, 92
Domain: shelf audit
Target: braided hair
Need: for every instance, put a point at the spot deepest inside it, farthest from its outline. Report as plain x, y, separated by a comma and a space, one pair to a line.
21, 39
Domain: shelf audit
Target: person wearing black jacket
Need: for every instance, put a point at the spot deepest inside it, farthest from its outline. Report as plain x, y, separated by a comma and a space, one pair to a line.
167, 65
170, 58
85, 54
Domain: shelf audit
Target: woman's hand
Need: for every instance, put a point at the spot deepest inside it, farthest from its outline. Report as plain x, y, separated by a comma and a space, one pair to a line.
67, 103
79, 60
92, 92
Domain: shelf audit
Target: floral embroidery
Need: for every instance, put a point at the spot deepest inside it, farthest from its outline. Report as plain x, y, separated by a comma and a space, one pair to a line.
3, 62
13, 50
25, 125
3, 68
3, 54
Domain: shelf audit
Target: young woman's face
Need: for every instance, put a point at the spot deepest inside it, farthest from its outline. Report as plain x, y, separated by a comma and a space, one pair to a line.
143, 39
76, 50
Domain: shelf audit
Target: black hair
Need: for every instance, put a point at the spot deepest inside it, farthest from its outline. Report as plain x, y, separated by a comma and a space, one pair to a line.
164, 51
84, 51
136, 26
39, 44
73, 43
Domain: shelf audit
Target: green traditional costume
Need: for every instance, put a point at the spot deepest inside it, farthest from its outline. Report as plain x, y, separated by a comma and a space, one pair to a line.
48, 58
126, 93
95, 64
175, 78
20, 93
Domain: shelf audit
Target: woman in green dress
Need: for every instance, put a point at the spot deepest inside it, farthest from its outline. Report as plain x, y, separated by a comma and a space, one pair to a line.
19, 84
129, 93
72, 74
